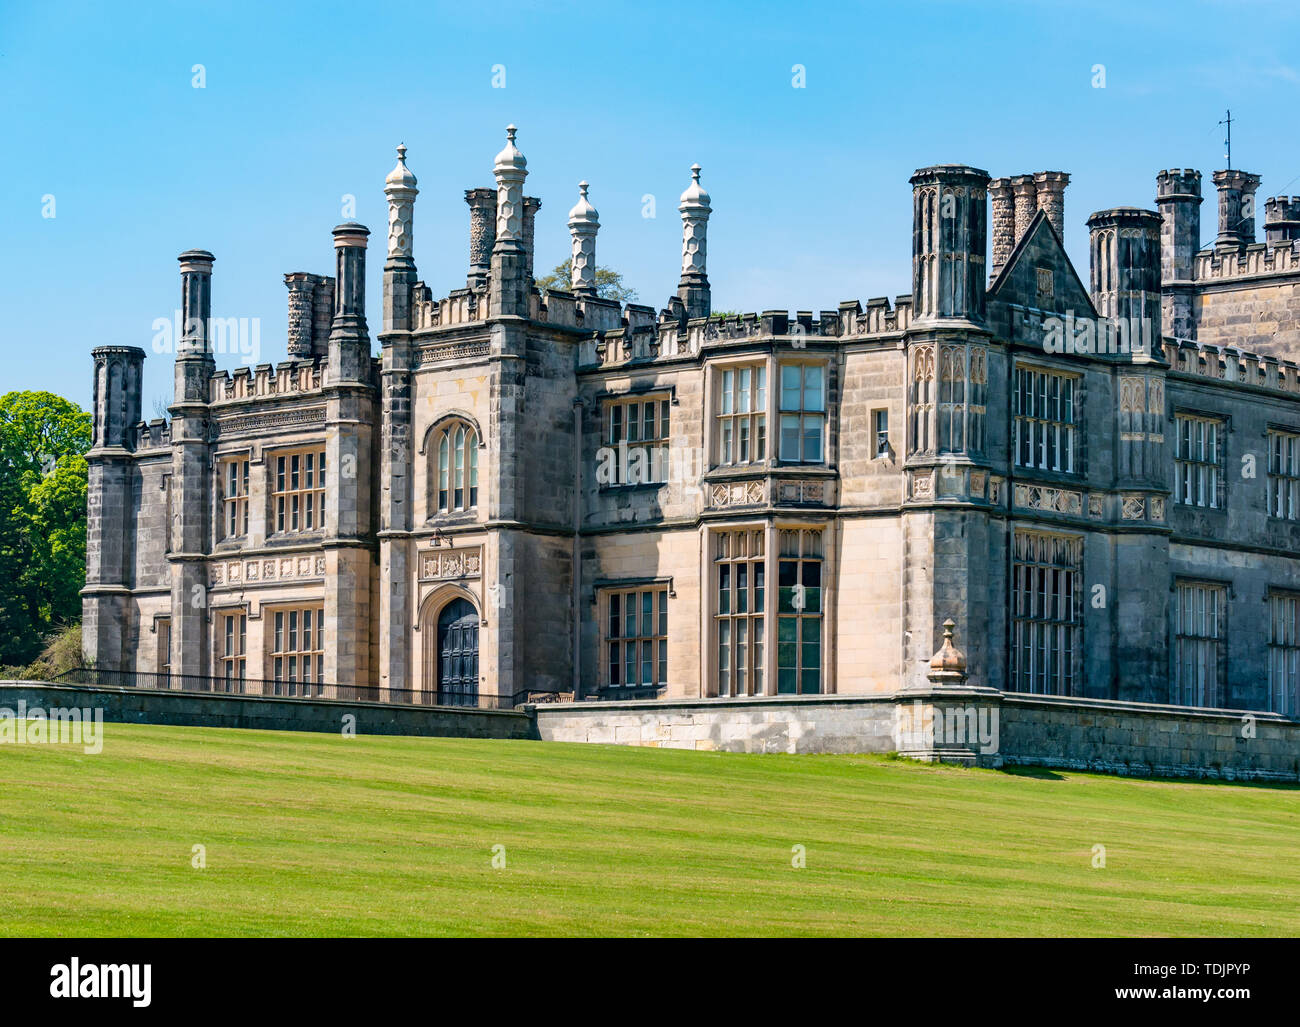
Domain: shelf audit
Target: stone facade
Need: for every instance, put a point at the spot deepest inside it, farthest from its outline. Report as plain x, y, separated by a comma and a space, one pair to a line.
528, 493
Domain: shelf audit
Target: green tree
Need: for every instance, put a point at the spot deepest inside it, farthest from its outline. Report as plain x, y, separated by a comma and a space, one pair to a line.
609, 283
43, 442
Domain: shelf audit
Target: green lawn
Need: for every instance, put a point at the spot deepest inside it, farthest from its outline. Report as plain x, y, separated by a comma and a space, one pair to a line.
309, 834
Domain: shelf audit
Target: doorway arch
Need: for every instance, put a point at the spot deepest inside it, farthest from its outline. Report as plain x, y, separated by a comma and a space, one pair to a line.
450, 635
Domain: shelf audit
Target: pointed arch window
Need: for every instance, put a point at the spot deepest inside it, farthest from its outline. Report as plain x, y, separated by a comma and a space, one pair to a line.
456, 452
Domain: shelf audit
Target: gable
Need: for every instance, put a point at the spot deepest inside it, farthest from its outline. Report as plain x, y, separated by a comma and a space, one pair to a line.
1039, 275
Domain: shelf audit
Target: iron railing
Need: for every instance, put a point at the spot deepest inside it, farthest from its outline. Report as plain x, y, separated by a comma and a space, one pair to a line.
157, 682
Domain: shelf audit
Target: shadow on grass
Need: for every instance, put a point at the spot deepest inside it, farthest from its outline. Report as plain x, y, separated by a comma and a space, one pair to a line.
1020, 770
1049, 774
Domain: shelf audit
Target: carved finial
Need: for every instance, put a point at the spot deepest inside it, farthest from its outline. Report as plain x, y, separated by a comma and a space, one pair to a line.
583, 224
948, 665
695, 171
400, 177
510, 159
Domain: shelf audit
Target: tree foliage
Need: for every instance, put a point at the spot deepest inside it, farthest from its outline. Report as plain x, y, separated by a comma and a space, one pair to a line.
43, 442
609, 283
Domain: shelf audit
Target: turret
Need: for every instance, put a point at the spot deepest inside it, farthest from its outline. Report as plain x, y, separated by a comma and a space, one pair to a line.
116, 396
1124, 265
110, 539
949, 236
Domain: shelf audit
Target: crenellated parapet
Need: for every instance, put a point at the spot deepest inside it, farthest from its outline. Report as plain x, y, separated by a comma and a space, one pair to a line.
461, 307
152, 435
288, 378
1255, 259
641, 338
1228, 365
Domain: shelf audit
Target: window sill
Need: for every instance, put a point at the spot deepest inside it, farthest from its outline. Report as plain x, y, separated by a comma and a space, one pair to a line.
286, 538
640, 486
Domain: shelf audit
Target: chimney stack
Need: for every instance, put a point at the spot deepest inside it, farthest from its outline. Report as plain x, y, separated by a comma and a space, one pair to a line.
1236, 209
194, 361
531, 206
1026, 196
349, 342
1178, 196
1004, 222
482, 234
1049, 188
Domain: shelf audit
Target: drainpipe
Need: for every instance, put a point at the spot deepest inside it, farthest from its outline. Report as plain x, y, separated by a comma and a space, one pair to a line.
576, 573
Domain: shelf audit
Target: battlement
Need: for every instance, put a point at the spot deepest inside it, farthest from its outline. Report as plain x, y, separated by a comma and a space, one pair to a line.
1281, 219
461, 306
643, 340
1230, 365
1255, 259
1178, 182
155, 434
290, 377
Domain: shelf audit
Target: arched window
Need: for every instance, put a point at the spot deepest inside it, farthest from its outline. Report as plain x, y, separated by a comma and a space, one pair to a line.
457, 470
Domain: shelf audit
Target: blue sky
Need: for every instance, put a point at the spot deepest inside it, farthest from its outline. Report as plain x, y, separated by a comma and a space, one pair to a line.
303, 104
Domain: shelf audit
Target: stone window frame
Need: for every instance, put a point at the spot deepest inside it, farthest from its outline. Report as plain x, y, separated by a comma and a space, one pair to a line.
656, 450
881, 447
947, 410
429, 450
746, 610
769, 530
1067, 686
797, 610
162, 628
802, 411
612, 596
240, 501
1283, 653
1077, 380
1224, 424
231, 668
1178, 689
317, 492
1282, 476
281, 628
758, 415
449, 477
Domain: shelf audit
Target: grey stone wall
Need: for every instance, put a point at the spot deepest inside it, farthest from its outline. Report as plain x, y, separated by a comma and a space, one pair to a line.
190, 709
1142, 739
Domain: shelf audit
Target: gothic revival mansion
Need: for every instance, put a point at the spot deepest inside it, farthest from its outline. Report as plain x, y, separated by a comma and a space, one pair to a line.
1097, 478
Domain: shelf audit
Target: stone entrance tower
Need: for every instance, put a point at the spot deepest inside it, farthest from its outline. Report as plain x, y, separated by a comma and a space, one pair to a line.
945, 520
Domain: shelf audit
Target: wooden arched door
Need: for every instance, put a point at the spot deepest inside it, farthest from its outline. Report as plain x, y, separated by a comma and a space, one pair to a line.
456, 664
